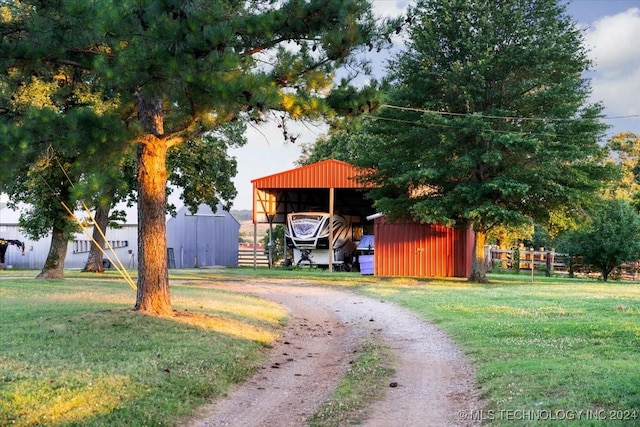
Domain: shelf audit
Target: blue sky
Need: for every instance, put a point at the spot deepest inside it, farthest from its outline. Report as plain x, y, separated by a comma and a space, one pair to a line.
612, 31
588, 11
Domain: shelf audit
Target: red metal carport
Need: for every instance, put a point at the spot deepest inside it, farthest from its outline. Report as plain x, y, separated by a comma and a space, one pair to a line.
401, 249
309, 188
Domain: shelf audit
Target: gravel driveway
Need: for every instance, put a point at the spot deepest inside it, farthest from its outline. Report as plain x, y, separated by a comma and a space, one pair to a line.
435, 383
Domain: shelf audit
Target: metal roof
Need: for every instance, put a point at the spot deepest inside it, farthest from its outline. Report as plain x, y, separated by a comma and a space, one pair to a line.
325, 174
308, 188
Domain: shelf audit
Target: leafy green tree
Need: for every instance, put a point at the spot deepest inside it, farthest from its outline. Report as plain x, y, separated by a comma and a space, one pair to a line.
339, 146
487, 122
53, 95
179, 69
203, 169
57, 130
508, 237
625, 151
276, 241
609, 237
46, 214
44, 172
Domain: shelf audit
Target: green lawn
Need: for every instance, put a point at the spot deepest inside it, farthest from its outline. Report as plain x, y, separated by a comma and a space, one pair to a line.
73, 353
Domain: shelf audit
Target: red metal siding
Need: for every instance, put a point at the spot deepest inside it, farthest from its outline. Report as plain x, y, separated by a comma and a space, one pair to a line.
421, 250
326, 174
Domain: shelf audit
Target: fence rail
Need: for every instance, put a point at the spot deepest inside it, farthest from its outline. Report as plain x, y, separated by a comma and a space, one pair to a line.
246, 258
528, 259
553, 262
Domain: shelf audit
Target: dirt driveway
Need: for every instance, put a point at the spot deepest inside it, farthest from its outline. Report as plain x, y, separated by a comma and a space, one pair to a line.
435, 385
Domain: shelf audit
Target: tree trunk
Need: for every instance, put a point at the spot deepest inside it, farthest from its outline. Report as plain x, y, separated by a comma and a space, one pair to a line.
153, 274
54, 265
606, 270
478, 266
94, 261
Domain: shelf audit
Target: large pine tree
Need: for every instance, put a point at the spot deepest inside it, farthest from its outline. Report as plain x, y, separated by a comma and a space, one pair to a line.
488, 121
180, 68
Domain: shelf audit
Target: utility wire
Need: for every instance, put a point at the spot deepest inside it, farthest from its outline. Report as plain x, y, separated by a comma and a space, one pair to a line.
119, 266
488, 116
450, 126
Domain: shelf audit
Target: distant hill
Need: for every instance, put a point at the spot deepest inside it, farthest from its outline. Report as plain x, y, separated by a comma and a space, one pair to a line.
242, 214
247, 227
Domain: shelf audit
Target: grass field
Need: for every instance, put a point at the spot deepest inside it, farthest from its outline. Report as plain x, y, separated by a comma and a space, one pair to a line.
554, 352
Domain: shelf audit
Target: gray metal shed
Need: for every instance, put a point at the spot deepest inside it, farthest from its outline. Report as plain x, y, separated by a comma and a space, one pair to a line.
203, 239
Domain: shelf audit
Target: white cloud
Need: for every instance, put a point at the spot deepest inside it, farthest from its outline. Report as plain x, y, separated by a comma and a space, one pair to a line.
613, 42
613, 46
619, 93
389, 8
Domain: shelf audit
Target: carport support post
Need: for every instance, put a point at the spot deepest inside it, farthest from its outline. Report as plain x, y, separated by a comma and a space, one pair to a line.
331, 200
255, 243
270, 219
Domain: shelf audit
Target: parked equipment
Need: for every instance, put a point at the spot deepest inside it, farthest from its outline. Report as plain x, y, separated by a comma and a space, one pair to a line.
307, 234
4, 243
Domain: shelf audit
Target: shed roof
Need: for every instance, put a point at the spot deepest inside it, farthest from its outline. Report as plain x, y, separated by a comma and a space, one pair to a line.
325, 174
308, 188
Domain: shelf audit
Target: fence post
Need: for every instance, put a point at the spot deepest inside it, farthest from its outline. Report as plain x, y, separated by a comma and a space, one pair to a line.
516, 259
488, 257
550, 256
504, 257
570, 265
532, 259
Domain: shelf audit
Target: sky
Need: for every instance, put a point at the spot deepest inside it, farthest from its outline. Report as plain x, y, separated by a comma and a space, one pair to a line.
612, 31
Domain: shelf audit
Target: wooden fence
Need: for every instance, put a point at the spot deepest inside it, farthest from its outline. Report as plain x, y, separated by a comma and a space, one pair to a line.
549, 261
518, 259
246, 258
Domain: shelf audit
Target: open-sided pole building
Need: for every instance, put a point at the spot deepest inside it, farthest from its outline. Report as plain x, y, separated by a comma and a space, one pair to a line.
401, 249
327, 186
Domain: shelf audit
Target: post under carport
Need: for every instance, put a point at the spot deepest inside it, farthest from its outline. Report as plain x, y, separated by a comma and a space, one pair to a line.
326, 186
